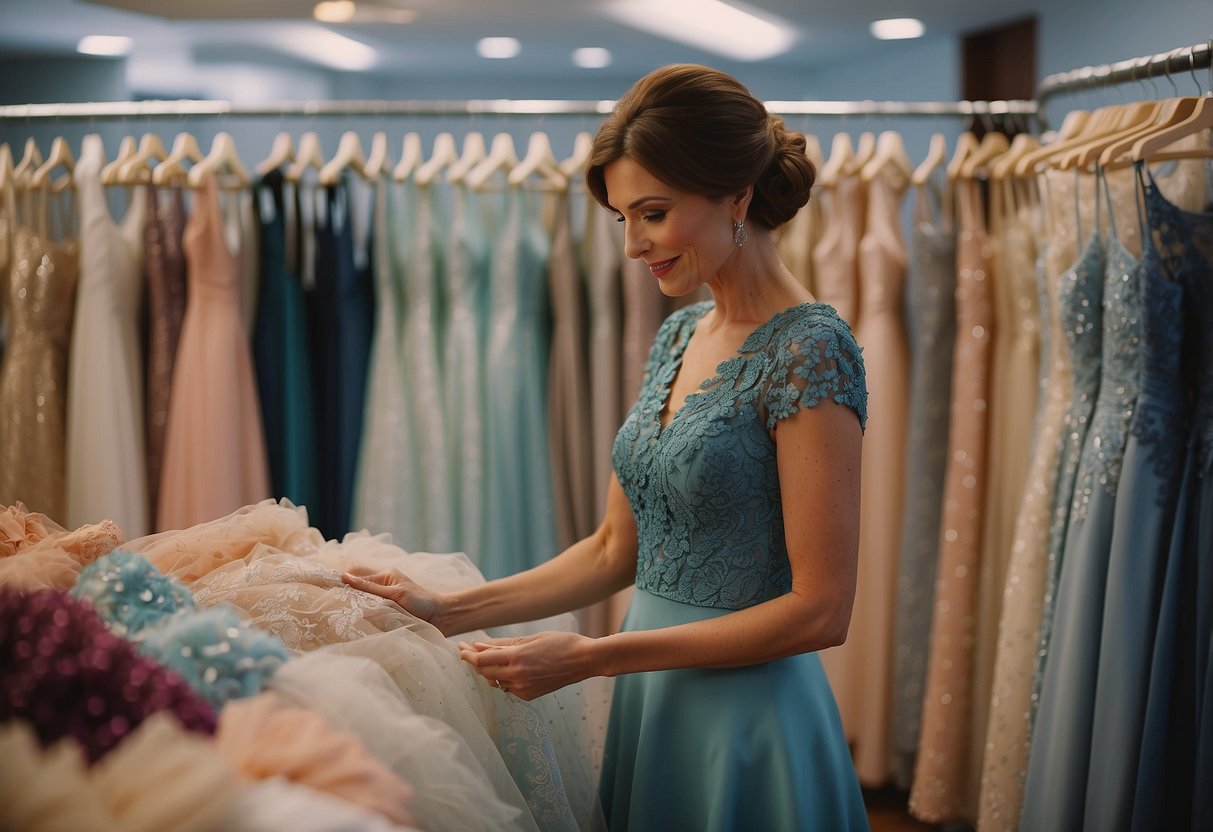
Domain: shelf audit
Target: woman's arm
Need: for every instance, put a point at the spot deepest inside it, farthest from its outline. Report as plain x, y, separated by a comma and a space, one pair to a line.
818, 453
587, 572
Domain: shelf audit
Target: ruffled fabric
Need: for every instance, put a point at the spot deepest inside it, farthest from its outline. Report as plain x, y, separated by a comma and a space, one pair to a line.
69, 676
274, 805
46, 789
263, 737
40, 554
20, 527
192, 553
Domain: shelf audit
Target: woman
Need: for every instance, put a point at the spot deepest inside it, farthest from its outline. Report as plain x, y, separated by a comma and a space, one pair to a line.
735, 503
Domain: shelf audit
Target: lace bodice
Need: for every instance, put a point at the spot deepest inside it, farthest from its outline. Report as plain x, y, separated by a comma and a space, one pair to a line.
705, 489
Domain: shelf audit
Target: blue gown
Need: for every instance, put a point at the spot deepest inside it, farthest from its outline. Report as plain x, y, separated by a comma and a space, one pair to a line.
757, 747
284, 374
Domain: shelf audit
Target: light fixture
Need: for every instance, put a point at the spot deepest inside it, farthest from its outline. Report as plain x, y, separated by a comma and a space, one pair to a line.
728, 29
110, 46
498, 48
592, 57
334, 11
897, 28
317, 44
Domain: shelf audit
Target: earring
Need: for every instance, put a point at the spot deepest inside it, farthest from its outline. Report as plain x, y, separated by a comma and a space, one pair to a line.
739, 233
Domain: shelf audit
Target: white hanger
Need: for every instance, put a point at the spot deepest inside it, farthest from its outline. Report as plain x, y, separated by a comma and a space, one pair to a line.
60, 156
841, 152
349, 155
890, 157
223, 157
937, 154
138, 168
539, 159
501, 155
473, 154
377, 161
185, 147
583, 145
410, 157
110, 173
281, 152
445, 153
309, 155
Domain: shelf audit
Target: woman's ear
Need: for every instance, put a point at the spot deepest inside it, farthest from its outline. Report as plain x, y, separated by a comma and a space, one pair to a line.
740, 202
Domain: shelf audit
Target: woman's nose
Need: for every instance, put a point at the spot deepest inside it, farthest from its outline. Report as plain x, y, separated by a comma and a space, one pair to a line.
635, 243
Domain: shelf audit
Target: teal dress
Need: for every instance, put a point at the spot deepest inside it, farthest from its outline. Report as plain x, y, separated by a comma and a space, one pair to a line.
757, 747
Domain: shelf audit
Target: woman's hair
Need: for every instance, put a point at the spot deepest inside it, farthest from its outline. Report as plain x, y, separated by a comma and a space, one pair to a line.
701, 131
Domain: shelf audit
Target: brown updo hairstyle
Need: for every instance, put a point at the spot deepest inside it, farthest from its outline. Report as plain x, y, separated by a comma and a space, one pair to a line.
700, 131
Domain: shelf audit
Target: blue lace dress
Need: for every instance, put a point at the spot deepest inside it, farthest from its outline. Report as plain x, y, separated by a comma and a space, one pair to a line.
757, 747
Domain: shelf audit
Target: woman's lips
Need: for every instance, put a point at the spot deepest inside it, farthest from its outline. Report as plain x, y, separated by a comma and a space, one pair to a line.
662, 267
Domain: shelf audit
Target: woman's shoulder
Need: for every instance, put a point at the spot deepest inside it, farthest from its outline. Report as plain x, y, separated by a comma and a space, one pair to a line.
804, 324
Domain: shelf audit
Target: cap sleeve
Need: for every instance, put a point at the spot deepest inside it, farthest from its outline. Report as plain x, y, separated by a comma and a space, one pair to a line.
816, 359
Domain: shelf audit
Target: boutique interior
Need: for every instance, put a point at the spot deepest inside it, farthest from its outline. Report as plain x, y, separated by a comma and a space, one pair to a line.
295, 289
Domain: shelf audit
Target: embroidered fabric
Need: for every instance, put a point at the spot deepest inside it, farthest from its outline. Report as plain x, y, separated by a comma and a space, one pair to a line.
704, 489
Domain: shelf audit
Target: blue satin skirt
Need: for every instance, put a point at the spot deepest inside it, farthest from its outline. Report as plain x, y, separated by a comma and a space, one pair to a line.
757, 747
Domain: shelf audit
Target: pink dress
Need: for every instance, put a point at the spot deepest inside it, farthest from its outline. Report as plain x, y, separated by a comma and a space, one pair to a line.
214, 455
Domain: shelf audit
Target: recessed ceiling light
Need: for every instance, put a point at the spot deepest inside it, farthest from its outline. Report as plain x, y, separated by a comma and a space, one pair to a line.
897, 28
729, 29
111, 46
498, 48
334, 11
592, 57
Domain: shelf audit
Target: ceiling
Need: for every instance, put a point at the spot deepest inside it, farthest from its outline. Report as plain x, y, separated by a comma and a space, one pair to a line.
172, 37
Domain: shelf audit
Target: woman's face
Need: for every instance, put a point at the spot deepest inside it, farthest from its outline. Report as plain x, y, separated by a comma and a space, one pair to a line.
684, 238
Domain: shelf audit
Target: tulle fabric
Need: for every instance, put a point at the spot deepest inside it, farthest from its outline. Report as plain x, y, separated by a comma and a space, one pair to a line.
452, 788
264, 737
160, 777
276, 805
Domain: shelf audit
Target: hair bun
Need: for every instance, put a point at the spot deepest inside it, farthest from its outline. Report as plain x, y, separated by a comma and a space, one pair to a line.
784, 187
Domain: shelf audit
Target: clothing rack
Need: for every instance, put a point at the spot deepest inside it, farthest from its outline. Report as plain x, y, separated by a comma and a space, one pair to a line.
1184, 59
503, 107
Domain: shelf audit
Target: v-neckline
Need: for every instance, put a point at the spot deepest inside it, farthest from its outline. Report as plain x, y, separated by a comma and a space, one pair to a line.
687, 331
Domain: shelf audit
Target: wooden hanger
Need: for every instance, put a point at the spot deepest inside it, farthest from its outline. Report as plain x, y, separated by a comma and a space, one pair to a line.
185, 148
138, 169
6, 165
31, 160
501, 155
349, 155
992, 146
1022, 144
540, 160
865, 149
583, 145
1153, 147
444, 154
378, 163
111, 170
410, 157
223, 158
966, 146
474, 153
841, 152
1172, 112
282, 151
812, 149
1132, 119
308, 155
1098, 123
937, 154
890, 158
60, 156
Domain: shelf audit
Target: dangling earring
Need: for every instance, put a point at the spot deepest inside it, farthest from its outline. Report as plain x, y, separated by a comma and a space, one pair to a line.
739, 233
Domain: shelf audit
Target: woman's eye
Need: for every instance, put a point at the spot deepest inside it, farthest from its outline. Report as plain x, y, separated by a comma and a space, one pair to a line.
619, 218
656, 216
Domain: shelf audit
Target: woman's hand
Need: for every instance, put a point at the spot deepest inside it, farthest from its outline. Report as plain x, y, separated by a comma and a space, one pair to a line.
402, 591
530, 666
